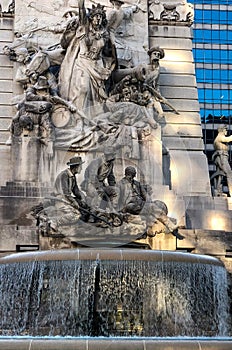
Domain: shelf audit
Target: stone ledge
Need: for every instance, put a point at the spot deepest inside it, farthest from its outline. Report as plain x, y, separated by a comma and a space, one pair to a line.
170, 30
207, 242
12, 235
183, 143
114, 344
169, 43
213, 220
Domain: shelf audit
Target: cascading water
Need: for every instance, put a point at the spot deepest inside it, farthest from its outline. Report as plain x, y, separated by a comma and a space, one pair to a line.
110, 297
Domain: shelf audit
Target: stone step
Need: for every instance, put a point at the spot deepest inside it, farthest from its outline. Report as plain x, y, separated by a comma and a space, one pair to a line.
182, 118
6, 86
23, 236
182, 130
4, 135
202, 241
221, 203
229, 201
183, 143
24, 189
209, 219
206, 202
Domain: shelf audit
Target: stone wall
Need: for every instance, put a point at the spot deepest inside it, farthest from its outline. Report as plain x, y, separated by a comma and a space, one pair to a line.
6, 94
181, 134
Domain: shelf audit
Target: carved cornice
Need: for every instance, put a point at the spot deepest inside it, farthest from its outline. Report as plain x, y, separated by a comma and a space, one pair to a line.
166, 12
7, 8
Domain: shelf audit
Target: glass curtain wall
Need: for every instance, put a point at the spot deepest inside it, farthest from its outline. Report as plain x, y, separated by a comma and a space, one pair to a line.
212, 49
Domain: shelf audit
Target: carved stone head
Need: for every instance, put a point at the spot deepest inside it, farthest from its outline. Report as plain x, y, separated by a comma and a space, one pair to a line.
75, 161
158, 50
223, 129
130, 171
98, 11
110, 153
42, 83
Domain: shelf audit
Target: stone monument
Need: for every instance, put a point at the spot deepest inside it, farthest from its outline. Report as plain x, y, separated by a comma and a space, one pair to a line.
101, 140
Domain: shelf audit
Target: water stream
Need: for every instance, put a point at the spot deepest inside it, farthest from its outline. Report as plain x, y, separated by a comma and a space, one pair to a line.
113, 298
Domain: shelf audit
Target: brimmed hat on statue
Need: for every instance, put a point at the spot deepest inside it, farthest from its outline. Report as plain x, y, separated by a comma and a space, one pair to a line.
75, 161
158, 49
120, 1
42, 83
110, 151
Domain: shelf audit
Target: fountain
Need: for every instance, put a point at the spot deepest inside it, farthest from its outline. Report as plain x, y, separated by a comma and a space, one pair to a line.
93, 100
121, 296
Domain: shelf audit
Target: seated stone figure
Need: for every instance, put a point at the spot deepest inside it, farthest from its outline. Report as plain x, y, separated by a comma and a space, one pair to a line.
65, 206
99, 180
132, 195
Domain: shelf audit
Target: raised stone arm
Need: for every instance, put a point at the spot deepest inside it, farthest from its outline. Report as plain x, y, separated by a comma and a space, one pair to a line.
223, 139
58, 100
82, 12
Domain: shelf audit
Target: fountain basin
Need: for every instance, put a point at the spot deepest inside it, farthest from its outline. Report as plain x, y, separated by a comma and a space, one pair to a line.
112, 293
110, 254
115, 344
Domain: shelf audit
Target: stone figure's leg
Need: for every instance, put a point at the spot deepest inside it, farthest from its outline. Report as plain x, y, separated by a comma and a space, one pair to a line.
227, 169
81, 88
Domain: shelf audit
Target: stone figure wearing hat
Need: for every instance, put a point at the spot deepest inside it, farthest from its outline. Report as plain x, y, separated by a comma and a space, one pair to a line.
69, 199
35, 112
65, 206
152, 75
66, 184
99, 179
221, 158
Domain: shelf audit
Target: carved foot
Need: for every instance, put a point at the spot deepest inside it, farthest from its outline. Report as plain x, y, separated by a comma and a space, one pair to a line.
177, 234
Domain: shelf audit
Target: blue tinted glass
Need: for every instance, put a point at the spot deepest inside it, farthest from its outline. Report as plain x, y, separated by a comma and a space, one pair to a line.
212, 16
200, 75
214, 96
217, 36
210, 2
213, 76
215, 56
215, 112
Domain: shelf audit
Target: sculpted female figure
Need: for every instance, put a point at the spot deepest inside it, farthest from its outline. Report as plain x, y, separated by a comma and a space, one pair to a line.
89, 60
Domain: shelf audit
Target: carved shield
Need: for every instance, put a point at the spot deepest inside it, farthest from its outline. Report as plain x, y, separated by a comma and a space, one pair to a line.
60, 116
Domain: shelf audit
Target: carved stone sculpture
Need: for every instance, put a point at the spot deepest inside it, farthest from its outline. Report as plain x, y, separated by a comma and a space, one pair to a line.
117, 30
132, 195
99, 180
221, 160
89, 60
64, 208
85, 100
6, 6
170, 13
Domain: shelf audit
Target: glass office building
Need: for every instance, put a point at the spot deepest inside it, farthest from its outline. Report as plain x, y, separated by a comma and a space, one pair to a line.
212, 43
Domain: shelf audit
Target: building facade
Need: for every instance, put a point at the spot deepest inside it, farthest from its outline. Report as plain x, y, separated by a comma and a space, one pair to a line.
212, 40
